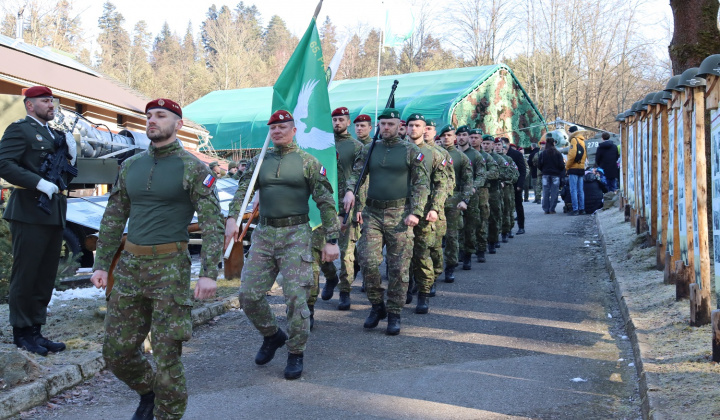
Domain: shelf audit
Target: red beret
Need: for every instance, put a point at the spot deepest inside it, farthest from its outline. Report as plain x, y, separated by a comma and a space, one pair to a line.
37, 92
280, 116
341, 112
403, 123
166, 104
513, 145
497, 140
362, 118
542, 142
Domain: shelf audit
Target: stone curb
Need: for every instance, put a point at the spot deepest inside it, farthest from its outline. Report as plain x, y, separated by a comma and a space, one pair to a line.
637, 339
40, 391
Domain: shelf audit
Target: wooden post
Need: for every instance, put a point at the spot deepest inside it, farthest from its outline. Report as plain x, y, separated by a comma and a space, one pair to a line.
664, 164
673, 252
712, 97
641, 133
653, 165
633, 157
686, 276
625, 207
715, 335
702, 267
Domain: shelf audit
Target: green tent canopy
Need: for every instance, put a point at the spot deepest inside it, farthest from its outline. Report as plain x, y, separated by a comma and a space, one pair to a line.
487, 97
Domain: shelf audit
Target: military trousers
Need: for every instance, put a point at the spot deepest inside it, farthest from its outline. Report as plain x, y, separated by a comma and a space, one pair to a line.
508, 218
422, 264
279, 250
328, 269
386, 227
348, 244
36, 253
471, 220
538, 188
436, 251
151, 294
482, 228
454, 224
495, 203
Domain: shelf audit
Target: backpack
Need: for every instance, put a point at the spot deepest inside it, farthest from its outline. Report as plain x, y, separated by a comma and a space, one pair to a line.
580, 152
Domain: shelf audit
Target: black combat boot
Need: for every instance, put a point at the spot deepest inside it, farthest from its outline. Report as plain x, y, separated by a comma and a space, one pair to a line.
504, 238
52, 346
377, 312
294, 366
491, 248
393, 327
480, 256
433, 289
146, 407
520, 231
449, 274
510, 235
467, 261
329, 288
422, 304
344, 304
312, 316
24, 339
269, 347
409, 294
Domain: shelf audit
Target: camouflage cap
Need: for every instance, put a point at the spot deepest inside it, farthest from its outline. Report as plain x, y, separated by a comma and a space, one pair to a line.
416, 117
232, 165
463, 129
389, 113
488, 137
445, 129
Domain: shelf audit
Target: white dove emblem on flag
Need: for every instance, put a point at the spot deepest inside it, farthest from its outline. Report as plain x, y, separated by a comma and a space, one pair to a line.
315, 139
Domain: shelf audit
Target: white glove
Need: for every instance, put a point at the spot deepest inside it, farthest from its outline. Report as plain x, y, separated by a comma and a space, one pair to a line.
48, 188
72, 147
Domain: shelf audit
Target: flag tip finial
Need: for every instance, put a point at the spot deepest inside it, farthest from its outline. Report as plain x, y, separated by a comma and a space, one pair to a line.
317, 10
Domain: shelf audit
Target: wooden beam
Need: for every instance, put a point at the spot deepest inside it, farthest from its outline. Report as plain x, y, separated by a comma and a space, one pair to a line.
664, 165
686, 276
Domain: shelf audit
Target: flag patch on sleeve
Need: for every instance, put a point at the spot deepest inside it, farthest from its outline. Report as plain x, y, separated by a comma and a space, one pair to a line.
209, 181
451, 161
444, 162
420, 157
323, 172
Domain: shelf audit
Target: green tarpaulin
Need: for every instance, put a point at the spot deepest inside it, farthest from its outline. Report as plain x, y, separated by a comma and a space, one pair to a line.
487, 97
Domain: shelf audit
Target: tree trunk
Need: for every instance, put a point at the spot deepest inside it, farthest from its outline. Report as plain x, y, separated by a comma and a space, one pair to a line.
696, 33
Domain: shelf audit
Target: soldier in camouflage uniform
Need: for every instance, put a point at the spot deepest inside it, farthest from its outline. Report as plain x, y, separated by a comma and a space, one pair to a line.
471, 217
508, 190
281, 243
457, 202
158, 191
492, 174
363, 128
494, 194
398, 187
538, 181
436, 166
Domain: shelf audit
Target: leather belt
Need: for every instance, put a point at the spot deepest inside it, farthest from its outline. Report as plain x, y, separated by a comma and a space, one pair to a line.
386, 204
159, 249
284, 221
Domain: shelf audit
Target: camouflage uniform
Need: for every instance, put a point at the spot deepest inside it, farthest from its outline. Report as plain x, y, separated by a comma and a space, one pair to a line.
348, 151
365, 140
462, 192
152, 292
538, 181
492, 173
425, 237
508, 194
436, 249
495, 200
471, 217
282, 241
328, 268
383, 219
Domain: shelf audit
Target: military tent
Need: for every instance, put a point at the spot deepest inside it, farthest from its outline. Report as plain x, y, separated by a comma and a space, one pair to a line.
487, 97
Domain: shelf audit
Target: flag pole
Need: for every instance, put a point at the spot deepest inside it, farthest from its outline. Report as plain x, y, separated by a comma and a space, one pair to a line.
377, 87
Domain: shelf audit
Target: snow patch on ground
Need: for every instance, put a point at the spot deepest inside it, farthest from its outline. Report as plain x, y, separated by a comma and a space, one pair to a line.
80, 293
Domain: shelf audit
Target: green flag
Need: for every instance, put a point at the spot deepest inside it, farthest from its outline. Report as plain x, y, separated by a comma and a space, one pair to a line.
302, 90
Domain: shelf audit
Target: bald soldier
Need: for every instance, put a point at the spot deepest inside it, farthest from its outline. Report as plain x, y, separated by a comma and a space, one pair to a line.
458, 202
471, 217
397, 192
435, 165
491, 174
281, 243
363, 126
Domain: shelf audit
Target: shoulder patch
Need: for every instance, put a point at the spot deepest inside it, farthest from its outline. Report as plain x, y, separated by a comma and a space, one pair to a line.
209, 181
420, 157
451, 161
444, 162
323, 172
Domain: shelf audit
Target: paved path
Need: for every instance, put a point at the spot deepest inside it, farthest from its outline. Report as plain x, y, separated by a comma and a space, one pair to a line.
505, 340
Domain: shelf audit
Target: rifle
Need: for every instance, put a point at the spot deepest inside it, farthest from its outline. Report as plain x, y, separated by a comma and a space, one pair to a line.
54, 167
363, 172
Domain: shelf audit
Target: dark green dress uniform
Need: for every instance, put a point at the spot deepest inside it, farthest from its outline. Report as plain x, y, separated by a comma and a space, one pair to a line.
282, 241
157, 192
397, 187
471, 217
36, 235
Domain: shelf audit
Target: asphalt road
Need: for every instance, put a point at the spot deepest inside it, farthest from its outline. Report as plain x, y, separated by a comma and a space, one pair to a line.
533, 333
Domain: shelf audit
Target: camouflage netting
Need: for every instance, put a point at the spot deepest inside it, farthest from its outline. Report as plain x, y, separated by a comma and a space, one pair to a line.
500, 107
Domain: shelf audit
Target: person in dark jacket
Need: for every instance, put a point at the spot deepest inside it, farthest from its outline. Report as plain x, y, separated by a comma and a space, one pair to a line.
534, 149
519, 160
552, 166
606, 157
594, 189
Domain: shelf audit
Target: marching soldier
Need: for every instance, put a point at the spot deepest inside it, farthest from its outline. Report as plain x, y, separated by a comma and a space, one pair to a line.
436, 166
456, 203
282, 240
494, 194
158, 191
396, 197
538, 181
508, 190
471, 217
363, 125
36, 234
491, 174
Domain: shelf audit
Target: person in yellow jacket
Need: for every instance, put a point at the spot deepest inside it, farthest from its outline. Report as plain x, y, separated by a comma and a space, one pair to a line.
575, 168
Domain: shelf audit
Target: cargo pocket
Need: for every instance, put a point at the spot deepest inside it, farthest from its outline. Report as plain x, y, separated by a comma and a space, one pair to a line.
305, 274
179, 319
